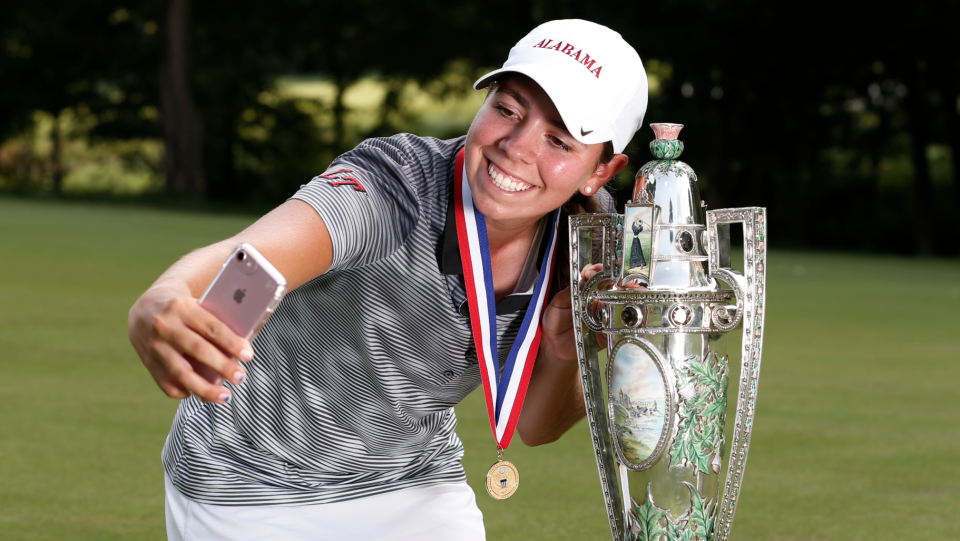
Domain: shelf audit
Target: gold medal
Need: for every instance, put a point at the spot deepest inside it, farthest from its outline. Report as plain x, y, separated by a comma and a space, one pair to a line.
502, 480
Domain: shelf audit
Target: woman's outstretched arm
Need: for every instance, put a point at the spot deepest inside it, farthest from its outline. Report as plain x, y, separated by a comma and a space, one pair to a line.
187, 349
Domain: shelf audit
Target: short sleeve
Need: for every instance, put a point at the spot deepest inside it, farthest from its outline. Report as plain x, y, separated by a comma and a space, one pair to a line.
368, 199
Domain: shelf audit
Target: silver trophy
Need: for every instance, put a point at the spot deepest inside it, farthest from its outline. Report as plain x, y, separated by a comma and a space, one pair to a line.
661, 305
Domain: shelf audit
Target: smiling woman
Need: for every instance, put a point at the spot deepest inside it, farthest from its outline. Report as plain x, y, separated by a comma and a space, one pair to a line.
450, 247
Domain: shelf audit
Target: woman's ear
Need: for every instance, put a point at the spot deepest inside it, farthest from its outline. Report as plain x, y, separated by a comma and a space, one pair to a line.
603, 174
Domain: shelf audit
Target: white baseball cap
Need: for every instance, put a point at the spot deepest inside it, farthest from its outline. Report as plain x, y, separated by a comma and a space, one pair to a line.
595, 78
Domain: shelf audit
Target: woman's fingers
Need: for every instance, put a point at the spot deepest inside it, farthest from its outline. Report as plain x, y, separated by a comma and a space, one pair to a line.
636, 283
181, 359
588, 272
185, 374
216, 332
206, 372
185, 348
197, 335
163, 378
212, 329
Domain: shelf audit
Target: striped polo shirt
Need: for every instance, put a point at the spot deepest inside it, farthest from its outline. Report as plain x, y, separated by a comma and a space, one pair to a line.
352, 389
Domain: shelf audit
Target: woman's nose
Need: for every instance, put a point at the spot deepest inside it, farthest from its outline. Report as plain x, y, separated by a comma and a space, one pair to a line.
521, 143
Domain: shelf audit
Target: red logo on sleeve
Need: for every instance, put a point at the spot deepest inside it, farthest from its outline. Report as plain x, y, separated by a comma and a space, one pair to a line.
338, 178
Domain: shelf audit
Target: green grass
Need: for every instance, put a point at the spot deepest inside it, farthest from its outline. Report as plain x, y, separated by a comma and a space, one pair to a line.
857, 433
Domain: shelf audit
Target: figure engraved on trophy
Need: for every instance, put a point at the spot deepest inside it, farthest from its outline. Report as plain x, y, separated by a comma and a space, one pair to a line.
660, 303
636, 255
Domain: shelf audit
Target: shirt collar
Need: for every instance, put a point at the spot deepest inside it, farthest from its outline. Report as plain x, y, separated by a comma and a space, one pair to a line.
450, 263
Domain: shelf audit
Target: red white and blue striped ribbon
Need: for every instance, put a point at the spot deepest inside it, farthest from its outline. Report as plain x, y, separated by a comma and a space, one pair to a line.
504, 391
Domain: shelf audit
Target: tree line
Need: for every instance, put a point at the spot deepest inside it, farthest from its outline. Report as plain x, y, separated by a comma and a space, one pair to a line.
840, 117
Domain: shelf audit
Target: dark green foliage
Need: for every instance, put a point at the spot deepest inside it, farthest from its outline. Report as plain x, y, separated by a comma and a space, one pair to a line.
95, 54
859, 125
285, 153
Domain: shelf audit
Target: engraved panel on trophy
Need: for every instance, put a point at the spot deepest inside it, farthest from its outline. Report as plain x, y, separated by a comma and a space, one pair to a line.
640, 402
637, 240
590, 243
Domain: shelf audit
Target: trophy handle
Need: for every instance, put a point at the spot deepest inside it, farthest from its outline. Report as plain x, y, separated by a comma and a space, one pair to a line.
584, 231
750, 293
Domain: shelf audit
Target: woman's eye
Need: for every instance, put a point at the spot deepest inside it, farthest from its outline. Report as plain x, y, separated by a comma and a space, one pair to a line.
505, 112
557, 142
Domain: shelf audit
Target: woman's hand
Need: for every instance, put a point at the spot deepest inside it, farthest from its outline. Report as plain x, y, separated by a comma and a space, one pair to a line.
558, 335
558, 318
185, 348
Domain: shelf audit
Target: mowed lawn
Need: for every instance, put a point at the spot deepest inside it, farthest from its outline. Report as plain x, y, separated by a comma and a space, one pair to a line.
857, 433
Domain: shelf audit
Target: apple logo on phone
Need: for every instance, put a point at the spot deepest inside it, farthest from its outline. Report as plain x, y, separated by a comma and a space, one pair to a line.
239, 294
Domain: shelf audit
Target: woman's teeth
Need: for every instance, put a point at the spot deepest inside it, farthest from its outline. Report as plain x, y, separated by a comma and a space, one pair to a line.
506, 183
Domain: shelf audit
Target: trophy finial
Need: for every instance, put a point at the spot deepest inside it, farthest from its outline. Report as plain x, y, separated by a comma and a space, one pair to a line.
666, 146
667, 131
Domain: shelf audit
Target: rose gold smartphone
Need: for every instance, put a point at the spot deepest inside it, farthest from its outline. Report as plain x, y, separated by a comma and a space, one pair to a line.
245, 291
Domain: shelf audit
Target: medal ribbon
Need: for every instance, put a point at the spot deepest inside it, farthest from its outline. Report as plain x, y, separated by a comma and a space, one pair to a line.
504, 391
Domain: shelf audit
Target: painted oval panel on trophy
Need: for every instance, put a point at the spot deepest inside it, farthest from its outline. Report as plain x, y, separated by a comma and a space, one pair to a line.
638, 404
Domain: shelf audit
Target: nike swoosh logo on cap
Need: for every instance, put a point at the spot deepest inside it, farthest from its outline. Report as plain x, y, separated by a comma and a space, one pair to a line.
585, 133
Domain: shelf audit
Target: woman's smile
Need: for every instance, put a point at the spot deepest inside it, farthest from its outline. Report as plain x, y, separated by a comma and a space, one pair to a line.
505, 181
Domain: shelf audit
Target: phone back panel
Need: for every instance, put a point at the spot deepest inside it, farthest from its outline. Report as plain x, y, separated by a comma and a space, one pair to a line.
244, 292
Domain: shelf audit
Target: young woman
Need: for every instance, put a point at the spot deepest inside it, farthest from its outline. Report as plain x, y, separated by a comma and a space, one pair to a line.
342, 424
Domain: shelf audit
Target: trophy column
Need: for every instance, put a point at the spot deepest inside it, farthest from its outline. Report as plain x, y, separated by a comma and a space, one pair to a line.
657, 410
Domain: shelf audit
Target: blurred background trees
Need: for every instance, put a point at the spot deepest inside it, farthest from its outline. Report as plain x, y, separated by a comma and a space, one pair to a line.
841, 117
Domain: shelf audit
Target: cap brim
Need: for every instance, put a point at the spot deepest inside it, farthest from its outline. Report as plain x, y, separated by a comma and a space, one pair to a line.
580, 119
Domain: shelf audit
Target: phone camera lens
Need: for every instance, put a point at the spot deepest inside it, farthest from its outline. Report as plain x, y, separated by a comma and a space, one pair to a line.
241, 256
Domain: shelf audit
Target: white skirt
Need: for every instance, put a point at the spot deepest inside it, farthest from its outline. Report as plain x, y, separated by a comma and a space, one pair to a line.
434, 513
